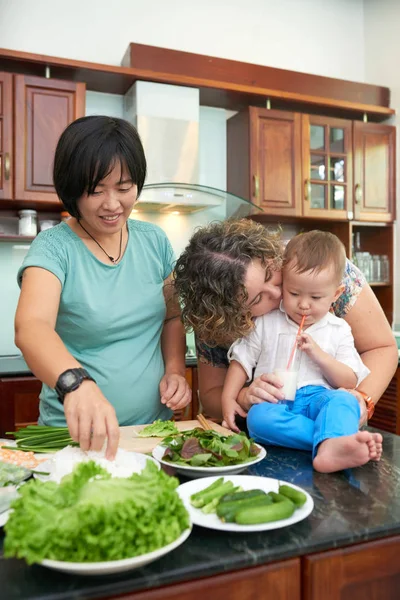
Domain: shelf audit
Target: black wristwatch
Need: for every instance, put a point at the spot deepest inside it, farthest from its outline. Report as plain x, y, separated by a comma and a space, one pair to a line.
69, 381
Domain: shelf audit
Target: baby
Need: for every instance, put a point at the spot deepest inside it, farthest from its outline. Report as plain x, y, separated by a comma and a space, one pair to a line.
322, 418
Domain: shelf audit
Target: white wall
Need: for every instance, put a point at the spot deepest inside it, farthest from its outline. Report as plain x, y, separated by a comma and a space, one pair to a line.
323, 37
382, 51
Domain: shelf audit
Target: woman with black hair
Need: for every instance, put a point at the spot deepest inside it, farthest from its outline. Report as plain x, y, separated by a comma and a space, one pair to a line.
97, 321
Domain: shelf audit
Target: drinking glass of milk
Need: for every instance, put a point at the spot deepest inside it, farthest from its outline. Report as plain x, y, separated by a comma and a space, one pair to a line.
286, 343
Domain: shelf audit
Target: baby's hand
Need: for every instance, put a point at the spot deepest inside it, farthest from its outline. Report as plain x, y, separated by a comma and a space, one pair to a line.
230, 408
309, 346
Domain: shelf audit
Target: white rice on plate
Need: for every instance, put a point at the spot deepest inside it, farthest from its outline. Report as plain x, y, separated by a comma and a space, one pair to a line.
64, 461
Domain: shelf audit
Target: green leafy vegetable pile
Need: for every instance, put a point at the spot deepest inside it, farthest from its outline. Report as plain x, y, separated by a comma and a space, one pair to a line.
159, 429
90, 517
200, 448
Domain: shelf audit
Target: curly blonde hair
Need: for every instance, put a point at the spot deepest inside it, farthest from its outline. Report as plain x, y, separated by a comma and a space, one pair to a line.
209, 277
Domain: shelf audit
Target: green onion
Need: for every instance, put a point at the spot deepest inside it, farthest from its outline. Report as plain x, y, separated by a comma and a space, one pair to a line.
40, 438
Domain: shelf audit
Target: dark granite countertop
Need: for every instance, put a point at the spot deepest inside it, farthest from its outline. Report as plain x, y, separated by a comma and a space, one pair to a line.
350, 507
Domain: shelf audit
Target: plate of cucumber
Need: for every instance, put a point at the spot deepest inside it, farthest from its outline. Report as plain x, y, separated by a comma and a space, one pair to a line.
245, 503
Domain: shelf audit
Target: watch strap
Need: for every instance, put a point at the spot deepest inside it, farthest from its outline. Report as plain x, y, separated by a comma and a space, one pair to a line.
81, 375
369, 403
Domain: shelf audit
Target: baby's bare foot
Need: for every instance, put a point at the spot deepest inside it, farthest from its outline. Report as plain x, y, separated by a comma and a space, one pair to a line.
346, 452
378, 446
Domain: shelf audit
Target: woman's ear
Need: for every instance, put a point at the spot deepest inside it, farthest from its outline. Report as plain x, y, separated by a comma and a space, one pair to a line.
338, 292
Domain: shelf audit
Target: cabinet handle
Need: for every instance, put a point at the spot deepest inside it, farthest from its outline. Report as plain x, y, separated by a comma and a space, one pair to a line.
256, 185
307, 189
7, 166
358, 193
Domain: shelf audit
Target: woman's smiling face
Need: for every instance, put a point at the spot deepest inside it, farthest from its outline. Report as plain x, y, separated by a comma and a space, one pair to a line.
264, 294
108, 208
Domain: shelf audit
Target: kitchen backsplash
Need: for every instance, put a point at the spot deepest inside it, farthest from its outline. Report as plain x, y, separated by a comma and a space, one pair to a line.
11, 256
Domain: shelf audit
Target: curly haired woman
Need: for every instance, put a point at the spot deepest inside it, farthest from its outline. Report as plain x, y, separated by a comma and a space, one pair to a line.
229, 273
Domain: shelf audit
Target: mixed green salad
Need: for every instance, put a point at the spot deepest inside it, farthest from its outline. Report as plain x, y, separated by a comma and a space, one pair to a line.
200, 448
91, 517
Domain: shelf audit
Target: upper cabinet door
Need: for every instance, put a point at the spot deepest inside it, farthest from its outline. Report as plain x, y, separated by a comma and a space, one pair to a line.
374, 172
327, 167
43, 108
6, 137
276, 161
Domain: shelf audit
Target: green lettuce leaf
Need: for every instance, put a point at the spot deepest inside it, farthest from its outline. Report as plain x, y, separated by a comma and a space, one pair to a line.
159, 429
91, 517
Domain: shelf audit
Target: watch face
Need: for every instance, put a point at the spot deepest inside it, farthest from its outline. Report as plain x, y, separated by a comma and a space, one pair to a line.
68, 379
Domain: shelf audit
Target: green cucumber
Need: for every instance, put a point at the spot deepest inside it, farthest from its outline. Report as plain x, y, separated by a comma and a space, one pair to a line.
299, 498
265, 514
227, 510
278, 497
242, 495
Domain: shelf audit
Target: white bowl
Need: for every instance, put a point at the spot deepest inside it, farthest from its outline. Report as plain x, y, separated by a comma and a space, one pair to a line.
190, 471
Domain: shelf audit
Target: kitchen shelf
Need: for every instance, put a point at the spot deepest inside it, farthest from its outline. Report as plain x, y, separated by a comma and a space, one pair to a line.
16, 238
379, 283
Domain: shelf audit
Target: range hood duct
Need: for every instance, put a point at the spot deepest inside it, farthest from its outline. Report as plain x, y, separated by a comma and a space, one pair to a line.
167, 119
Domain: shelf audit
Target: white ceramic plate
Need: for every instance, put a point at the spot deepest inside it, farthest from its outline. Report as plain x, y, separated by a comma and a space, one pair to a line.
115, 566
46, 466
247, 482
190, 471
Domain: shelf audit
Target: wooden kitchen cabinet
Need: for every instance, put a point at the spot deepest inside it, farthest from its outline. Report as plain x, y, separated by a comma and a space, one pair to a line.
365, 572
374, 172
6, 136
327, 167
264, 159
296, 165
19, 402
277, 581
33, 111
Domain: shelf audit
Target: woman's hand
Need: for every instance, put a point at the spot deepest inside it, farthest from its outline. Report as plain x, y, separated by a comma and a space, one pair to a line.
363, 406
265, 388
175, 391
91, 419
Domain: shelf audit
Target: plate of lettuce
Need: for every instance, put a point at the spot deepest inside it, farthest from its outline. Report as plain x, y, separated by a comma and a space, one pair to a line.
200, 453
91, 523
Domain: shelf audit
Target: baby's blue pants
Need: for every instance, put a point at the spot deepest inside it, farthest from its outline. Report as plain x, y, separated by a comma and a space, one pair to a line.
315, 415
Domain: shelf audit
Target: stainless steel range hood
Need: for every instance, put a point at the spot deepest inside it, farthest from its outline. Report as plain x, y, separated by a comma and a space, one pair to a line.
167, 119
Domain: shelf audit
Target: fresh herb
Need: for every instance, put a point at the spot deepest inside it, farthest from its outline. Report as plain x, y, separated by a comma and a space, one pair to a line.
159, 429
91, 517
40, 438
200, 448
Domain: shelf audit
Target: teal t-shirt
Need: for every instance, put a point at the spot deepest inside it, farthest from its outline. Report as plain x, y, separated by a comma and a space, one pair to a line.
110, 317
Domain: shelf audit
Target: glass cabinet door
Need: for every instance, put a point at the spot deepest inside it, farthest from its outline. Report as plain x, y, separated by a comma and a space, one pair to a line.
326, 167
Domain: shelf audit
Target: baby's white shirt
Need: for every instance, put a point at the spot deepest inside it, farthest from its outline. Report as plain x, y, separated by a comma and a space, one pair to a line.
332, 334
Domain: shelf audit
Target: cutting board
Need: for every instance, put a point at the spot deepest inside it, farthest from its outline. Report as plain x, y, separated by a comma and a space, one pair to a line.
130, 440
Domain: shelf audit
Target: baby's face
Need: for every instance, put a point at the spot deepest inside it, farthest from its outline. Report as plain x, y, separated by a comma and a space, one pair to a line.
309, 293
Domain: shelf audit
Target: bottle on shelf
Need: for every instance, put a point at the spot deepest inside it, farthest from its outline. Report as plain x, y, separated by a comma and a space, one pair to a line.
385, 268
27, 224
